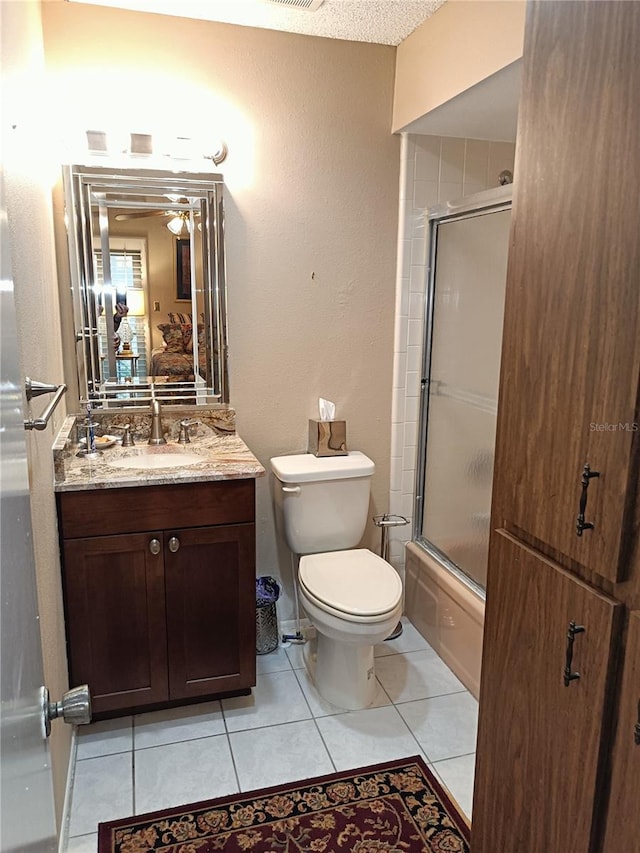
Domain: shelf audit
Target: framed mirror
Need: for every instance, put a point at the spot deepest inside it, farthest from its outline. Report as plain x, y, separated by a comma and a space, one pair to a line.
146, 251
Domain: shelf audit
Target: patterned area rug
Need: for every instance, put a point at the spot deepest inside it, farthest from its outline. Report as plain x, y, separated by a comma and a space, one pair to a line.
396, 807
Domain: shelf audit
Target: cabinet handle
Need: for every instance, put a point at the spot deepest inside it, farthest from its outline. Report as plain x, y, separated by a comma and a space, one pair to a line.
154, 546
174, 544
569, 675
636, 731
581, 524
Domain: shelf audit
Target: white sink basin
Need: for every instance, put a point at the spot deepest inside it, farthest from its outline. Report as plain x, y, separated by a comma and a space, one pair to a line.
152, 458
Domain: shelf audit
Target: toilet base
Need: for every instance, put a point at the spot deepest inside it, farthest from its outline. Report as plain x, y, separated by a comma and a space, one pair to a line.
344, 673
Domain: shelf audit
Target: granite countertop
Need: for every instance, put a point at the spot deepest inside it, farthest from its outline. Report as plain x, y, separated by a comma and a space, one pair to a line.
224, 454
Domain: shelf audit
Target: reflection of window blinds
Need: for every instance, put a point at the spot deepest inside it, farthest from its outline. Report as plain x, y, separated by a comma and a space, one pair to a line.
126, 273
126, 268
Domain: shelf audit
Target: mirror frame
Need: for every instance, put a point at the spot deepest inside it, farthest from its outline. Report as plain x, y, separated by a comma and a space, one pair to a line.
81, 184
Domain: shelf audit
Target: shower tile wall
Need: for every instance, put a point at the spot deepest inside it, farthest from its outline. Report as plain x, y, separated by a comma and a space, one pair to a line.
433, 169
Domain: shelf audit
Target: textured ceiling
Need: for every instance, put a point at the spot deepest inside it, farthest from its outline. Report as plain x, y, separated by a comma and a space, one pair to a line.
378, 21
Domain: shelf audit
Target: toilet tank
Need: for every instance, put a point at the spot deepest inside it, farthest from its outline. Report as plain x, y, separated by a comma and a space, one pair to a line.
322, 503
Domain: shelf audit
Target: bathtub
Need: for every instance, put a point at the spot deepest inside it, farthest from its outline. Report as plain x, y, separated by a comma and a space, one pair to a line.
448, 614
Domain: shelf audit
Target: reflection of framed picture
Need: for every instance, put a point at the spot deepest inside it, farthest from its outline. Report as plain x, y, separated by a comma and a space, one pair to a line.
183, 270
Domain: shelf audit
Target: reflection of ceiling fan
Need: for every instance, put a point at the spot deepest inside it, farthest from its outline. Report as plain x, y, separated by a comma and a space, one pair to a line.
178, 219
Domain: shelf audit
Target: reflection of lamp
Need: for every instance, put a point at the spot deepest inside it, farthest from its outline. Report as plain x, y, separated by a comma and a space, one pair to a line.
125, 334
177, 224
135, 306
135, 301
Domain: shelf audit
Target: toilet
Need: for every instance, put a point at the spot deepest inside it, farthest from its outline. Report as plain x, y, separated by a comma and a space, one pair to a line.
352, 596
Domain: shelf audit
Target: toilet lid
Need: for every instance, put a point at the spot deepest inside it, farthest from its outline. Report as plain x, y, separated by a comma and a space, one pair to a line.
357, 581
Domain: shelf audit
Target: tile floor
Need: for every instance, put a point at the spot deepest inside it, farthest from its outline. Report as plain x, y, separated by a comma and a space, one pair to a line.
283, 732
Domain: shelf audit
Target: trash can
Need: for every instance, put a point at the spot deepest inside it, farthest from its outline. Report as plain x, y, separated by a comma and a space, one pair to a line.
267, 593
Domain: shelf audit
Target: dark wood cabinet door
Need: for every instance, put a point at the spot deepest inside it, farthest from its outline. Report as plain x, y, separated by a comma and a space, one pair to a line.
537, 777
571, 351
210, 584
623, 821
116, 633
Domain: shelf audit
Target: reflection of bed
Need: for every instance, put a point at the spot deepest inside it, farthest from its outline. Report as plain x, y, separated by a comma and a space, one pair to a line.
175, 359
177, 365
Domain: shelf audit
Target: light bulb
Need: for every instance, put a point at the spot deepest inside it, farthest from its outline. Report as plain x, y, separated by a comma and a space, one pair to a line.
175, 225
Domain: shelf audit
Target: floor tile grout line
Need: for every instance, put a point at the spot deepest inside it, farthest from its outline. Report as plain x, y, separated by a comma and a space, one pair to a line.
133, 779
317, 727
233, 762
179, 740
304, 695
82, 835
324, 743
412, 733
339, 711
382, 687
442, 760
436, 696
315, 722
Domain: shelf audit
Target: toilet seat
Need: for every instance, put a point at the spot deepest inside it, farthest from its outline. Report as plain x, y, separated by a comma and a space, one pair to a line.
355, 584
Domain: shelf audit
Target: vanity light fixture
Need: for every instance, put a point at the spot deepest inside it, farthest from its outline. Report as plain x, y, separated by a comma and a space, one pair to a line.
142, 145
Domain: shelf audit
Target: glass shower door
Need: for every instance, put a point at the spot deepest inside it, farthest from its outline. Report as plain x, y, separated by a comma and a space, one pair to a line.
465, 302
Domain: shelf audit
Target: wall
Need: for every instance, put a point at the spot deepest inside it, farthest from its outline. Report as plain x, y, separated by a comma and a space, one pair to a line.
433, 169
28, 183
311, 208
463, 43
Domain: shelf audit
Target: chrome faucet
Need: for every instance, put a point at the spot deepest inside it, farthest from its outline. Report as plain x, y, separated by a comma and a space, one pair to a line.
156, 436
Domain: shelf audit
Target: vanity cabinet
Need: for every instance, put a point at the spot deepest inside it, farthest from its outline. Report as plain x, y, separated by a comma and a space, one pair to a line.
159, 591
557, 759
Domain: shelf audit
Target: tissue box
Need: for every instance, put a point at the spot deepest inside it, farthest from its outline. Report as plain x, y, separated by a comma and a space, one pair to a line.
328, 438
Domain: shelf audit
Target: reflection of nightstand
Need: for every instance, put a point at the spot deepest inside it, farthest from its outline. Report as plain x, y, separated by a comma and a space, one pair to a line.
122, 374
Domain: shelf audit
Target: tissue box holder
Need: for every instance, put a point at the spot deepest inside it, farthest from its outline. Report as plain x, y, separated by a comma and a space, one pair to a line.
328, 438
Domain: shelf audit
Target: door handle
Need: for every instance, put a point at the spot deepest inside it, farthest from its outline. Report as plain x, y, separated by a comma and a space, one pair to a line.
569, 675
581, 524
174, 544
74, 707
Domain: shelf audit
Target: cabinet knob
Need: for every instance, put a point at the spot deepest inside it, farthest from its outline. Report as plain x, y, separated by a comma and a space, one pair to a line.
154, 546
174, 544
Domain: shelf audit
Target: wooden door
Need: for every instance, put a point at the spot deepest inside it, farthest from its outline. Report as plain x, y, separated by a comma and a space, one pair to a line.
537, 779
116, 634
571, 350
210, 580
623, 821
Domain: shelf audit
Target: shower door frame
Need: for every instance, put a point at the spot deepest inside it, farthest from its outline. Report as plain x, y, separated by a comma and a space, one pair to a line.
478, 204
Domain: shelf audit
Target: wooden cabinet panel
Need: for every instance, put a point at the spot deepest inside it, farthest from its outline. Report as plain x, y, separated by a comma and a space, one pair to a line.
622, 831
210, 584
538, 741
115, 616
129, 510
571, 352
